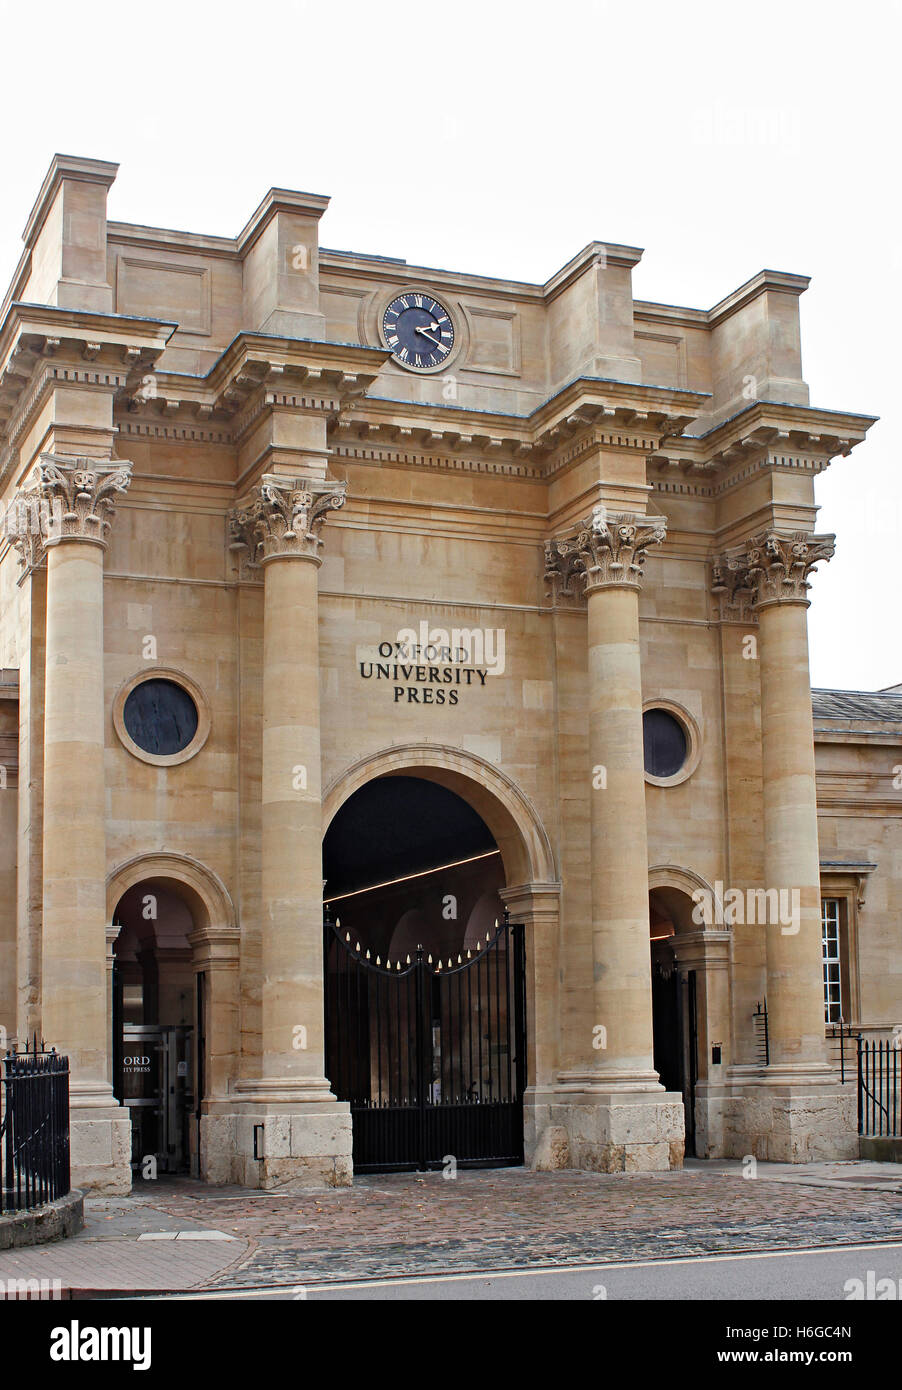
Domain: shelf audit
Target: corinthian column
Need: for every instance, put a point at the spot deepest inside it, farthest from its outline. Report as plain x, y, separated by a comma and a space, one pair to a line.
306, 1131
633, 1129
795, 1109
778, 568
70, 497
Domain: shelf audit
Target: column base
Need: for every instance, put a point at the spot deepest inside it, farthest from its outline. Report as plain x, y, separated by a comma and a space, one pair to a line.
782, 1114
627, 1126
303, 1134
100, 1142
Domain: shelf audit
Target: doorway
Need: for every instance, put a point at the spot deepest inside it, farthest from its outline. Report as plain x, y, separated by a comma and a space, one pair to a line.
674, 1008
424, 981
154, 1062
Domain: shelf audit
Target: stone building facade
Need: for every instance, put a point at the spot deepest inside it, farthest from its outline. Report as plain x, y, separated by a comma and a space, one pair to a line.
240, 469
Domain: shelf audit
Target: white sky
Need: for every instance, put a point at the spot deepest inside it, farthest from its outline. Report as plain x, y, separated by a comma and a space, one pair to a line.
500, 138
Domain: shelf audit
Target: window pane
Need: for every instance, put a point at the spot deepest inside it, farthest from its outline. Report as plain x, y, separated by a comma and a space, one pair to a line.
160, 717
665, 743
831, 957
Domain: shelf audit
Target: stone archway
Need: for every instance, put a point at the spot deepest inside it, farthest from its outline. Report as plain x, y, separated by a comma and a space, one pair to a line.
533, 890
701, 949
507, 811
215, 947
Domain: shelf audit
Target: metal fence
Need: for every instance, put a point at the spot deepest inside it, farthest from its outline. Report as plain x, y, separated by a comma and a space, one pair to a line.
34, 1128
878, 1063
879, 1076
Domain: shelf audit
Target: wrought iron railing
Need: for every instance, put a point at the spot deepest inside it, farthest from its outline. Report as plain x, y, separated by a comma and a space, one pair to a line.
879, 1079
878, 1063
762, 1036
34, 1128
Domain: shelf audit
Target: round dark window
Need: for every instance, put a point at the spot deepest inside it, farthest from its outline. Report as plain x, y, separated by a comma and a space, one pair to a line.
665, 743
160, 717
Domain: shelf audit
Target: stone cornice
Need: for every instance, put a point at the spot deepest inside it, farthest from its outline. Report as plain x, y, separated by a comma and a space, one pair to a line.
608, 550
280, 519
587, 414
43, 347
45, 329
257, 371
765, 434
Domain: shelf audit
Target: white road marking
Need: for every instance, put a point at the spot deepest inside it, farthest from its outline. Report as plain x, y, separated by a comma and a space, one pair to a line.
491, 1274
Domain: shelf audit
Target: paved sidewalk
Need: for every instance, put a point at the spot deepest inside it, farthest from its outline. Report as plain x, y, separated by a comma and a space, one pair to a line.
180, 1234
129, 1243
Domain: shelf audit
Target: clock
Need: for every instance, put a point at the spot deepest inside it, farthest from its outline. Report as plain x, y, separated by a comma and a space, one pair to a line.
419, 331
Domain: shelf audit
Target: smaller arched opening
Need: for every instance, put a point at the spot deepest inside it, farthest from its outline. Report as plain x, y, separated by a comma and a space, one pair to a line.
689, 958
674, 996
171, 925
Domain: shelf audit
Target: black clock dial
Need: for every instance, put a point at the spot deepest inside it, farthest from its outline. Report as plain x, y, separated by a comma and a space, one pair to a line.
419, 331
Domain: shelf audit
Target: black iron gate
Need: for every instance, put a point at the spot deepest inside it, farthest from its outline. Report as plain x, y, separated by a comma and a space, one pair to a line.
431, 1054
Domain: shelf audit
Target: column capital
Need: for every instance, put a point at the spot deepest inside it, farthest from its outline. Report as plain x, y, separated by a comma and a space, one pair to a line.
282, 518
68, 497
607, 550
769, 568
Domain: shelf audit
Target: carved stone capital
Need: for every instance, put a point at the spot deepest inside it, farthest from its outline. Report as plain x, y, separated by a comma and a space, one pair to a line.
283, 517
732, 588
768, 568
608, 550
68, 497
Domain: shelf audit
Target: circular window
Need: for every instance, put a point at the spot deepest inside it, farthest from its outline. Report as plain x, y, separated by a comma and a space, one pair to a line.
161, 717
672, 743
665, 743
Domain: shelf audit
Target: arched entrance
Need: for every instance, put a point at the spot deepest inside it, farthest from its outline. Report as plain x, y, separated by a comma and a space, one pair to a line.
689, 973
173, 1000
427, 991
154, 1042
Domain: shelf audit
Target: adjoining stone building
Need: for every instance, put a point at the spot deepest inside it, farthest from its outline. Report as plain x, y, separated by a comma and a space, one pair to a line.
501, 588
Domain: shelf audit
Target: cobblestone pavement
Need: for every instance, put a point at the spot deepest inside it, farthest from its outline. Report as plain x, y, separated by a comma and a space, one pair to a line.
181, 1234
493, 1219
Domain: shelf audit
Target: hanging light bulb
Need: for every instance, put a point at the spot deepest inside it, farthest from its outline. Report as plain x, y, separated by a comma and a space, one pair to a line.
430, 957
378, 961
357, 947
408, 957
367, 952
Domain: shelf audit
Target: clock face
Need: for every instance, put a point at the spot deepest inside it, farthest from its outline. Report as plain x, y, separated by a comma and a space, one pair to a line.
419, 331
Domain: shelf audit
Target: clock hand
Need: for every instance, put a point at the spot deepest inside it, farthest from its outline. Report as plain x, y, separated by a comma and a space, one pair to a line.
430, 337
